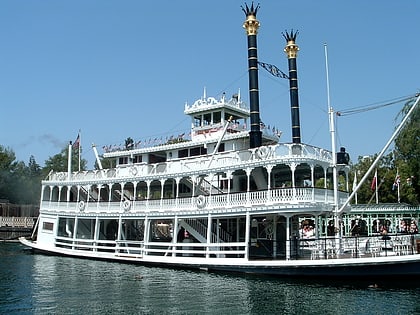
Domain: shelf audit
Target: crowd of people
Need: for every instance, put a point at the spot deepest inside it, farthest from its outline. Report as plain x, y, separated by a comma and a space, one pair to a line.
410, 228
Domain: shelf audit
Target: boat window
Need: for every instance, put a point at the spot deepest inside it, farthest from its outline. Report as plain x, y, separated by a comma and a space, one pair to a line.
123, 160
133, 229
48, 226
197, 121
183, 153
207, 119
184, 189
198, 151
138, 159
195, 151
85, 228
153, 158
217, 117
221, 148
65, 227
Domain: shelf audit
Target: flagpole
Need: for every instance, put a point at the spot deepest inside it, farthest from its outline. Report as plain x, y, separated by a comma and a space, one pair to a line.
398, 185
376, 186
354, 187
80, 145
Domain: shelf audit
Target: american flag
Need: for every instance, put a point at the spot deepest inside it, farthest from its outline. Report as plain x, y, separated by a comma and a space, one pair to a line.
76, 143
374, 180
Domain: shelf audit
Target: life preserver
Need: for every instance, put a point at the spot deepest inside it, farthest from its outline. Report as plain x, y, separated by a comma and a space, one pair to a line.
201, 202
263, 152
126, 205
133, 170
81, 205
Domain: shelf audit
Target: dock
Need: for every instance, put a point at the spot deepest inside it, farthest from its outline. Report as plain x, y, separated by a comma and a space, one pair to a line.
11, 228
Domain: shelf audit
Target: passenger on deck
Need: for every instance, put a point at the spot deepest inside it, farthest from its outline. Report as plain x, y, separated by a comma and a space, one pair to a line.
413, 227
330, 229
385, 235
403, 227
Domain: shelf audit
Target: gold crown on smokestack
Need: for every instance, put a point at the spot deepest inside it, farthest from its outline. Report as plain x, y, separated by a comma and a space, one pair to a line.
291, 48
251, 23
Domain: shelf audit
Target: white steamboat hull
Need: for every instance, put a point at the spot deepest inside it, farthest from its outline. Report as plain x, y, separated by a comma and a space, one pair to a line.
369, 267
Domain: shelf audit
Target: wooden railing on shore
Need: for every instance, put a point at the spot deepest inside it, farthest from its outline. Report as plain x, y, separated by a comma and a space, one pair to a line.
17, 222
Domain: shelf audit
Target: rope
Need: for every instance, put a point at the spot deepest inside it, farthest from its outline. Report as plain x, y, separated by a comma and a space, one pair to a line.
361, 109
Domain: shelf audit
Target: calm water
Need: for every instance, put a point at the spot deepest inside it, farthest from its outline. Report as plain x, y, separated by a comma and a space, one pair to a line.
38, 284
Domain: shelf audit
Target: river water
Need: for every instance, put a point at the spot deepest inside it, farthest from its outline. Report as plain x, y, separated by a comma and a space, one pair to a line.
40, 284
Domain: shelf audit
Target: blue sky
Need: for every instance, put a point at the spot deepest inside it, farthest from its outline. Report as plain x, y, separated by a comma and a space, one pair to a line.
118, 69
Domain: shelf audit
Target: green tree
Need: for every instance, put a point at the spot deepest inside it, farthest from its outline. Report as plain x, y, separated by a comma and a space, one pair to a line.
7, 165
386, 175
407, 156
59, 162
34, 180
404, 160
20, 184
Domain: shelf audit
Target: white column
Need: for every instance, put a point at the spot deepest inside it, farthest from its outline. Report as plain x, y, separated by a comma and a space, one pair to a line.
209, 224
247, 234
288, 242
96, 234
229, 177
248, 183
175, 235
269, 168
146, 233
76, 223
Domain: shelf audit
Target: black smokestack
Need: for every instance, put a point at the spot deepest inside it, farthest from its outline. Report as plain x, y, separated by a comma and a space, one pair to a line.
291, 50
251, 26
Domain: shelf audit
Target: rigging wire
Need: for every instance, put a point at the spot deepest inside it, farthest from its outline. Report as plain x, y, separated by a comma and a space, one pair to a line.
361, 109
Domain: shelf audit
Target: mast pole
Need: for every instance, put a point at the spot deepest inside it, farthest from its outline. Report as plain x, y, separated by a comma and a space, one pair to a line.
69, 161
332, 133
80, 146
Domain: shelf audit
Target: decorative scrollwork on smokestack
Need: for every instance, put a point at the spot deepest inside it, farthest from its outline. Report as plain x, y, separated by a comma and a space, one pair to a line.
251, 26
291, 50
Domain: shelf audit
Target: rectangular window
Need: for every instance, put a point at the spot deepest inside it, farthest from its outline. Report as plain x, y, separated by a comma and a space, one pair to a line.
123, 160
217, 117
138, 159
197, 121
48, 226
183, 153
195, 151
207, 119
65, 227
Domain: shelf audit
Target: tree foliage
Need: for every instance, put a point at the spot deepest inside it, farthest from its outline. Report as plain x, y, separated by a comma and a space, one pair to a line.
19, 183
403, 161
59, 162
407, 156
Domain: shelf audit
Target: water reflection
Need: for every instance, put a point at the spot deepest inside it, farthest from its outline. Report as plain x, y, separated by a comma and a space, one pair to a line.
61, 285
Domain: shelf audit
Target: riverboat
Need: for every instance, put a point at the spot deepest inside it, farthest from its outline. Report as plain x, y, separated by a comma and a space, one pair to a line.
228, 199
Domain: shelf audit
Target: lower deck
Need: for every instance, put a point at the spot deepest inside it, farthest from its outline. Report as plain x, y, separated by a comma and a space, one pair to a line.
248, 237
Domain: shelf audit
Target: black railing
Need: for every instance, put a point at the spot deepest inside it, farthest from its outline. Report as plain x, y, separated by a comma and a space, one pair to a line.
355, 246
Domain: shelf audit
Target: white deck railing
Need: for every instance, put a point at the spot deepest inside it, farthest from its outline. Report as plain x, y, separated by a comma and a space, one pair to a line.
306, 197
20, 222
238, 159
